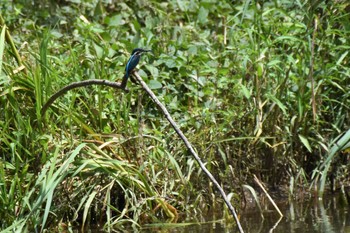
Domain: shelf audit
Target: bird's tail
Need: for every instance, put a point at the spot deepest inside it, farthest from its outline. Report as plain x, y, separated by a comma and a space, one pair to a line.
125, 80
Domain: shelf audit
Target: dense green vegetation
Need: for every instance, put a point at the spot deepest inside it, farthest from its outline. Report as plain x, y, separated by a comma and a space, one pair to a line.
258, 87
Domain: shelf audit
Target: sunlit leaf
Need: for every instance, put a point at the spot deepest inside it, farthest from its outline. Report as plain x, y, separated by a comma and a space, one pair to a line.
278, 102
154, 70
115, 20
170, 63
154, 84
305, 142
245, 91
98, 50
203, 15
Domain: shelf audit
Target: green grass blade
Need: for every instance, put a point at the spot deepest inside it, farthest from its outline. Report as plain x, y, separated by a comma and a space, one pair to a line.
339, 145
88, 206
255, 196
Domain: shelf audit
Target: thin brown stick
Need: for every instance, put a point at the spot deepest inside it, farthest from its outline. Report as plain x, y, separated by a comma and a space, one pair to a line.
225, 29
80, 84
268, 196
190, 148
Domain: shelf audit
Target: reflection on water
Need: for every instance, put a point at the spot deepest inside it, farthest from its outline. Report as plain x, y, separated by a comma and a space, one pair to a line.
327, 215
321, 216
316, 216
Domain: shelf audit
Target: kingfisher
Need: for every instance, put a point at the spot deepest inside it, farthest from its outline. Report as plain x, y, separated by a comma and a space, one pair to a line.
132, 63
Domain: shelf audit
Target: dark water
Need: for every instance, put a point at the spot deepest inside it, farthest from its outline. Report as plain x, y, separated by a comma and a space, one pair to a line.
330, 215
322, 216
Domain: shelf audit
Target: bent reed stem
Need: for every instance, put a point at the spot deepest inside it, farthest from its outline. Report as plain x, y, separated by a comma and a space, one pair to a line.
190, 148
80, 84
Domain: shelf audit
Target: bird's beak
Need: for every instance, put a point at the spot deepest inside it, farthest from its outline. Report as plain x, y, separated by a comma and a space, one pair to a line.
149, 51
146, 51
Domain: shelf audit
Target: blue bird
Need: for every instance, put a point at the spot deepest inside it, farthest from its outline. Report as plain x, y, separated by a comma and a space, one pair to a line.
132, 63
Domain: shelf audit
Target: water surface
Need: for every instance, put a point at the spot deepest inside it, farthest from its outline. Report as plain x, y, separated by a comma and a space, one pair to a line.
313, 216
